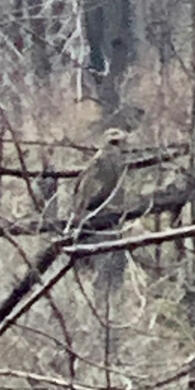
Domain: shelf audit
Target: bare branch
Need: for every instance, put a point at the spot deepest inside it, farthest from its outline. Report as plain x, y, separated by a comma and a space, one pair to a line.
150, 157
21, 159
183, 371
57, 175
77, 250
42, 378
34, 298
131, 243
65, 143
88, 300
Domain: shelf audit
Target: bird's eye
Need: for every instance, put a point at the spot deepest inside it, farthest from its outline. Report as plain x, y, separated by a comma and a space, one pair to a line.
114, 142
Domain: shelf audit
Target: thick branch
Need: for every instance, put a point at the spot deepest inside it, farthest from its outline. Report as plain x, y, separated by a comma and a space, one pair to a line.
82, 250
76, 251
43, 262
149, 157
55, 174
170, 199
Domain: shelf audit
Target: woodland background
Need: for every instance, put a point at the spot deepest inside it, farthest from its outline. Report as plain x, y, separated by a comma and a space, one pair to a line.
69, 70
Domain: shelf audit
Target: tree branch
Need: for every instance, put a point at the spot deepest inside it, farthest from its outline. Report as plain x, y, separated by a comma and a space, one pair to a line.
75, 252
21, 159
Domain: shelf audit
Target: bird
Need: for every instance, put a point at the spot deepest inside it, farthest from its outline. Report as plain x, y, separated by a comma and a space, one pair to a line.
94, 185
96, 182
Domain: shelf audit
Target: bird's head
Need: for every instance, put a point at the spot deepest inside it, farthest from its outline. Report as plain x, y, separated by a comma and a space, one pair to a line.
115, 137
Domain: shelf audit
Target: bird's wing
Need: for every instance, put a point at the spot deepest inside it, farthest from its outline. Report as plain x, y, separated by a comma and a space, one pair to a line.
88, 186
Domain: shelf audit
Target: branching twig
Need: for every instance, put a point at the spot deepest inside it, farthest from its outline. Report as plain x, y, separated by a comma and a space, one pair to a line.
65, 143
21, 159
134, 280
52, 303
137, 163
132, 242
80, 250
35, 297
112, 369
185, 370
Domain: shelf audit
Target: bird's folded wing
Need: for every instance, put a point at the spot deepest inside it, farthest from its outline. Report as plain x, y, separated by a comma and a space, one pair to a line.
88, 186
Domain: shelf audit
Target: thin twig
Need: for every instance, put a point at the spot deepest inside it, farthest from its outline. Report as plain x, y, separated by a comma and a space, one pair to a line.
112, 369
53, 305
21, 159
65, 143
88, 301
95, 212
107, 337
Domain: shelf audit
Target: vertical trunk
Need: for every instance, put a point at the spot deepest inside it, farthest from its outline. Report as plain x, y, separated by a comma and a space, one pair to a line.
107, 337
16, 37
192, 129
162, 43
158, 250
110, 29
39, 55
2, 132
192, 152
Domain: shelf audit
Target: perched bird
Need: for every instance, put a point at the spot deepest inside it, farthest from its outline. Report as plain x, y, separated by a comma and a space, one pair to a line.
94, 186
101, 175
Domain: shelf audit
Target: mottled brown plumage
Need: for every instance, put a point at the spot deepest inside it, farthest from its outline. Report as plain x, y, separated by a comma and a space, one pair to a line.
101, 175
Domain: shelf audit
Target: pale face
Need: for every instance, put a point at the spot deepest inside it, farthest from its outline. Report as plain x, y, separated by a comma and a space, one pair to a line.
115, 137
